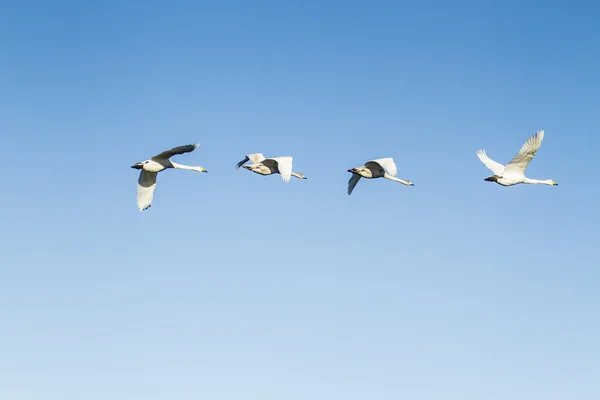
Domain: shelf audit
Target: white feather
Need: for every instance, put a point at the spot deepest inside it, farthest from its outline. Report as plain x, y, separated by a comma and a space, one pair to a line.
145, 189
388, 164
519, 163
494, 166
284, 165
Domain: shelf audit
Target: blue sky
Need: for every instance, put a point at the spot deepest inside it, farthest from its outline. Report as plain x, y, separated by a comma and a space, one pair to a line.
239, 286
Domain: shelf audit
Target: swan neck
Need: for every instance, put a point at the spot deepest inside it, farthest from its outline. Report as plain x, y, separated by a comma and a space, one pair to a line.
538, 182
189, 168
393, 178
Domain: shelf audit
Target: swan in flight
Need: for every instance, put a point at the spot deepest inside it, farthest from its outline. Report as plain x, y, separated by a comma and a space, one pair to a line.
514, 172
151, 167
380, 168
269, 166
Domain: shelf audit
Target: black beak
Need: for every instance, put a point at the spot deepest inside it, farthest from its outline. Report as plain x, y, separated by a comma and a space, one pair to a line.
136, 166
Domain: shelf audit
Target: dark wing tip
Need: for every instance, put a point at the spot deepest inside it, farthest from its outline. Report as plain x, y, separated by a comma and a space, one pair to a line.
238, 165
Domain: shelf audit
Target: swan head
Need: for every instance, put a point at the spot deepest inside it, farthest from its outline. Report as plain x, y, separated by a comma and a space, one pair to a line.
139, 165
553, 183
201, 169
300, 175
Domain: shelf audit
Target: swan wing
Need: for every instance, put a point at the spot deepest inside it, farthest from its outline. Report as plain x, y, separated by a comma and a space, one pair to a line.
284, 165
255, 158
495, 167
165, 155
352, 182
520, 162
388, 164
145, 189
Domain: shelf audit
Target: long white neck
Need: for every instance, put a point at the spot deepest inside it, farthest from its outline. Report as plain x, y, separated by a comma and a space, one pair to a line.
393, 178
181, 166
539, 182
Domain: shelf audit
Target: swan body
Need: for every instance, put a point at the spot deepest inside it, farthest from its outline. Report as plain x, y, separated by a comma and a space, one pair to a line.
379, 168
151, 167
514, 172
270, 166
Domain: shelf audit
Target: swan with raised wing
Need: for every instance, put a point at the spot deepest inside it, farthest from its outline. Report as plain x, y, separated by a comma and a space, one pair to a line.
151, 167
379, 168
270, 166
514, 172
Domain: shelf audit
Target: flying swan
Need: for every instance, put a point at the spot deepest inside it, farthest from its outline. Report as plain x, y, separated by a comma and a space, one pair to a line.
380, 168
151, 167
514, 172
269, 166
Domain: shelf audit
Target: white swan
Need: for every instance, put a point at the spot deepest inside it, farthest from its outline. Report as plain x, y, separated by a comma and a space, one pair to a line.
151, 167
514, 172
269, 166
380, 168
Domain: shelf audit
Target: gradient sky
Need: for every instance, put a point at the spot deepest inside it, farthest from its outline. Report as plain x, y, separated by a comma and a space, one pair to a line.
237, 286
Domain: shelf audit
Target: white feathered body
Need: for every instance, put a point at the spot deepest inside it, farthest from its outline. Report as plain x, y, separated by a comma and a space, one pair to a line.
514, 172
270, 166
153, 166
379, 168
149, 170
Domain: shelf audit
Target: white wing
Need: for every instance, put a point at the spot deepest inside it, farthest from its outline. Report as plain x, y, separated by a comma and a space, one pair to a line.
254, 158
525, 155
284, 165
352, 183
388, 164
145, 189
496, 167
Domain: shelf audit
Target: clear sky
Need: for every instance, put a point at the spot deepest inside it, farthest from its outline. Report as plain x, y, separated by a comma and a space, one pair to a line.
237, 286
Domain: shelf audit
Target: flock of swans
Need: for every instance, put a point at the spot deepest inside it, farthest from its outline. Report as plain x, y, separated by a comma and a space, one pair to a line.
511, 174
